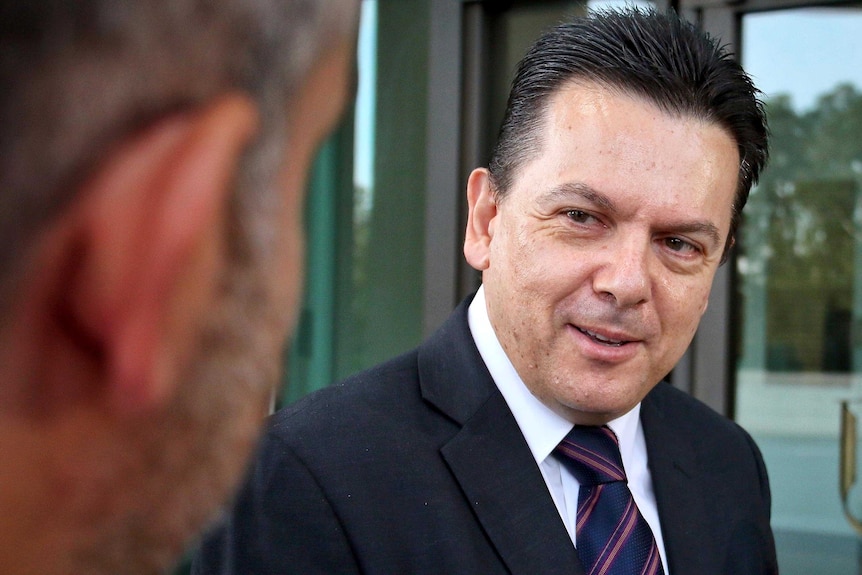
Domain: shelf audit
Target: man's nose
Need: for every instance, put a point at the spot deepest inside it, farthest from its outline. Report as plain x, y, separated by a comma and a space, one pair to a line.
623, 272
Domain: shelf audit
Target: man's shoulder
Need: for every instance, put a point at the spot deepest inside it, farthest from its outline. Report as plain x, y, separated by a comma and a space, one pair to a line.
357, 432
682, 407
378, 387
708, 430
408, 393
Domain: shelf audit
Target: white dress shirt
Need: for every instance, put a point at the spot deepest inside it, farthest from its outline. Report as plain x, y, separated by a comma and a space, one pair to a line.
544, 429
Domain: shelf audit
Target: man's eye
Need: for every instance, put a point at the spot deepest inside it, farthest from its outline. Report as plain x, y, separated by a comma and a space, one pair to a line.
679, 245
579, 216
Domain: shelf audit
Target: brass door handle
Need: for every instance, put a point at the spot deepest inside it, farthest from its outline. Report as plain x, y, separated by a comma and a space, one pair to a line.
847, 476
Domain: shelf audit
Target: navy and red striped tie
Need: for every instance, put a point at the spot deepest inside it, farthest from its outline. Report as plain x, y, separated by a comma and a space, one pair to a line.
612, 536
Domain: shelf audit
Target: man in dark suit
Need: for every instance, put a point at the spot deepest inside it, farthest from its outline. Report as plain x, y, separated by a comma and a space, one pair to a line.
628, 149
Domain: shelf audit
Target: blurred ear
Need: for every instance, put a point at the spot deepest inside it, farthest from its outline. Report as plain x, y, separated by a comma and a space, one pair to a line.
480, 219
145, 250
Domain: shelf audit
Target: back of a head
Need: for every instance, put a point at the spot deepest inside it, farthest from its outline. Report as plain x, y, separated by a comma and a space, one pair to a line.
97, 486
75, 77
657, 57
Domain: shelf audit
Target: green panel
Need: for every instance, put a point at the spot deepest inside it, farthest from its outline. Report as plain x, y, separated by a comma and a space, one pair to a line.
381, 301
364, 282
310, 358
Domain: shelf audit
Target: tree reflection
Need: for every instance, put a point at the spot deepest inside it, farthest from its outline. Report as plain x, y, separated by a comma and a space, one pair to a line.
800, 241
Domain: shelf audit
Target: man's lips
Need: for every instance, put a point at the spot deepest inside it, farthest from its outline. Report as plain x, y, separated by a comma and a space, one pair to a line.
602, 339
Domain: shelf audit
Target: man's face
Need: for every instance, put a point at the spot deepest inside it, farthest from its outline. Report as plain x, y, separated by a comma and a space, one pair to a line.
599, 260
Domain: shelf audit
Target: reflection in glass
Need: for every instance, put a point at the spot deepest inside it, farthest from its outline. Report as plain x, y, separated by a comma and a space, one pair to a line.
799, 266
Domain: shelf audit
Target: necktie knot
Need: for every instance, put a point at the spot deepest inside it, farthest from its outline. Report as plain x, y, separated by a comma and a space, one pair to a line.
592, 454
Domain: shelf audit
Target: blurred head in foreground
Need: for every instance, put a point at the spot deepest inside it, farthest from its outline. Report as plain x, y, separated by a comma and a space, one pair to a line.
152, 166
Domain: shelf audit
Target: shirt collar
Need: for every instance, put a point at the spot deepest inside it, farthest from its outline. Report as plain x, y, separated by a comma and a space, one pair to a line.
542, 428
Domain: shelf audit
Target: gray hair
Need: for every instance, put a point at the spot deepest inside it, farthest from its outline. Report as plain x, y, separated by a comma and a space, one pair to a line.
75, 77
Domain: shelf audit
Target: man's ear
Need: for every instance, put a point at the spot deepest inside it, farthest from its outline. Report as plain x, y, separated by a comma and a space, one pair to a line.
480, 219
146, 250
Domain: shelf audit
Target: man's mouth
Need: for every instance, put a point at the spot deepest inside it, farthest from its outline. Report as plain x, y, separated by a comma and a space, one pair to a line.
600, 338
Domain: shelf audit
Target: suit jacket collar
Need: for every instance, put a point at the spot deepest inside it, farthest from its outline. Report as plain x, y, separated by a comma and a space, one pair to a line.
489, 457
678, 489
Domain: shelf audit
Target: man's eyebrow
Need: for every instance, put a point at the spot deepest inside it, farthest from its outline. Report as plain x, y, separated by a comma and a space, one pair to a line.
566, 190
697, 228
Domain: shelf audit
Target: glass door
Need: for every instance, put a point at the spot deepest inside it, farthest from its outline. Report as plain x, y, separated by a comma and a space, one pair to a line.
798, 334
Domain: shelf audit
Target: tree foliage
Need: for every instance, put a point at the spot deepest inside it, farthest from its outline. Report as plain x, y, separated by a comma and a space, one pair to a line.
802, 229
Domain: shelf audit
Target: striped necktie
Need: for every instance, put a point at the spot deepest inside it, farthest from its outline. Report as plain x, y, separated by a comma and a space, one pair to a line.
612, 536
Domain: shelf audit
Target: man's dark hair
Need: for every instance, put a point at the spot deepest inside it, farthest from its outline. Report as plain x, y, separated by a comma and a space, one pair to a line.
658, 57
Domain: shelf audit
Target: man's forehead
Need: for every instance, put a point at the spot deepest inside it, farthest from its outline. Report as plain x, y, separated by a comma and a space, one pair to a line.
599, 97
584, 98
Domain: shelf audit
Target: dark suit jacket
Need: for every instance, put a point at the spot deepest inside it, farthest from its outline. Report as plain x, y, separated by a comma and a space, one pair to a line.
418, 466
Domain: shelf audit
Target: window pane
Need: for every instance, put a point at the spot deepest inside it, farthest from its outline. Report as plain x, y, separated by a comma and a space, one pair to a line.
800, 275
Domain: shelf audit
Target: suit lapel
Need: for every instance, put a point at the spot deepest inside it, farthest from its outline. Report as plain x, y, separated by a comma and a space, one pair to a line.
678, 490
490, 459
505, 489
